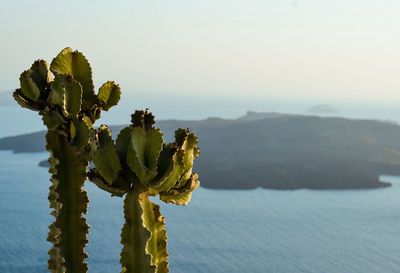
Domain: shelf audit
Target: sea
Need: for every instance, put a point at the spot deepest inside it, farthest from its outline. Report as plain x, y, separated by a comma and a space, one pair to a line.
220, 231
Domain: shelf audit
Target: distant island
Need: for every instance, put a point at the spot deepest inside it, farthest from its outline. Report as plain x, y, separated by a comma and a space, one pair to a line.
279, 151
322, 109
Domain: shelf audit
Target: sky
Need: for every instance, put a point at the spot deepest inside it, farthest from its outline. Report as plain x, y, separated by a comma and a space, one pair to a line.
317, 51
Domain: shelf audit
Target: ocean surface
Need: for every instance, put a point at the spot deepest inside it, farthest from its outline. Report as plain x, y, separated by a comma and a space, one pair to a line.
220, 231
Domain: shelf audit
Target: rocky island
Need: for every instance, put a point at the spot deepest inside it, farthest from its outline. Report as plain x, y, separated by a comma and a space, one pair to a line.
322, 109
279, 151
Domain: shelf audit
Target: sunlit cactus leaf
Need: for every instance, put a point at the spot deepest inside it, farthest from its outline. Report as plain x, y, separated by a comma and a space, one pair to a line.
41, 74
56, 94
79, 133
88, 122
72, 97
181, 196
170, 168
29, 89
106, 159
109, 95
134, 238
143, 151
75, 64
187, 141
155, 223
99, 181
19, 97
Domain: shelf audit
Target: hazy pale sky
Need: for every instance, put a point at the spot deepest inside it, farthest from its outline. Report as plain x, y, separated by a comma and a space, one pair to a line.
329, 50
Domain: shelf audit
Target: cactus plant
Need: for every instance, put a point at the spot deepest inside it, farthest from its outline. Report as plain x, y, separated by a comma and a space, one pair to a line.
140, 164
69, 107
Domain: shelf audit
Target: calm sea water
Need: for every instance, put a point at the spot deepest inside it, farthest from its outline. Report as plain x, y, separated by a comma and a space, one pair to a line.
220, 231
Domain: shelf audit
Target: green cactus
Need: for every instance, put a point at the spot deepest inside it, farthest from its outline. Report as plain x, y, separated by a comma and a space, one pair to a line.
69, 107
140, 165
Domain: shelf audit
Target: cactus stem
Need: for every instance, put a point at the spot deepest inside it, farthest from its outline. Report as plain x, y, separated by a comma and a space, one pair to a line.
134, 237
69, 202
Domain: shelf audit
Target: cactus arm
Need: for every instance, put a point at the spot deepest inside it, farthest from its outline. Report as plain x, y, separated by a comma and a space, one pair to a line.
187, 141
28, 86
155, 223
181, 166
172, 174
99, 181
75, 64
41, 74
69, 203
56, 94
181, 196
122, 143
106, 158
109, 95
143, 151
73, 97
134, 237
24, 102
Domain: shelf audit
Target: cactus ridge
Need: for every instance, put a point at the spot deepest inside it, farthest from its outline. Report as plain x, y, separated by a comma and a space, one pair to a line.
157, 244
69, 202
134, 238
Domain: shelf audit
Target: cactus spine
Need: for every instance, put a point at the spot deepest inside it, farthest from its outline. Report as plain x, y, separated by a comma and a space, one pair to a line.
69, 107
140, 164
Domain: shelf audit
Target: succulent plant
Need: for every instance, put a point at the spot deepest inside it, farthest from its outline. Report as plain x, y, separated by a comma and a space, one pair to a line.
64, 96
140, 164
